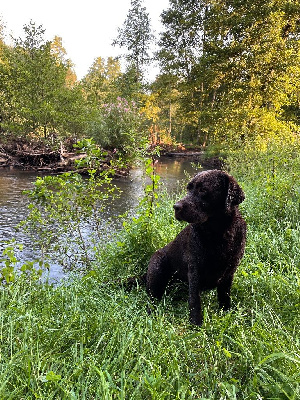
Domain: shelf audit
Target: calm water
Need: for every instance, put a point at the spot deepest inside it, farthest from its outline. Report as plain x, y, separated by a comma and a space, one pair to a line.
13, 204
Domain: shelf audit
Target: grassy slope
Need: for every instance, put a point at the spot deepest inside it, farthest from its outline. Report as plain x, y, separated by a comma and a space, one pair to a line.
92, 340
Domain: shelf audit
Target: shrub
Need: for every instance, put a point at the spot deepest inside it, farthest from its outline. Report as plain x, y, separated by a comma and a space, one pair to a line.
122, 127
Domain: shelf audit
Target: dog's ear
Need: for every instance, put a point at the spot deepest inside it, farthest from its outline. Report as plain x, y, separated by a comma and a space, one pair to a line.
235, 194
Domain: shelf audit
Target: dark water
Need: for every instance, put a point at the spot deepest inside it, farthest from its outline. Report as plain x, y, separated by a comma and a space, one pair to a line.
13, 204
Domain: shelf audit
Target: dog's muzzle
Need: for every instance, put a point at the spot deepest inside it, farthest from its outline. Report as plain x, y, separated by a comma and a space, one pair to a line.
178, 209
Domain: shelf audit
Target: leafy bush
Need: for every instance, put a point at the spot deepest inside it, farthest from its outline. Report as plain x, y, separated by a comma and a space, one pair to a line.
121, 127
65, 216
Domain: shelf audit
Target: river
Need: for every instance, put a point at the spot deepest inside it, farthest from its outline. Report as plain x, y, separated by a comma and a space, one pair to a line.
13, 204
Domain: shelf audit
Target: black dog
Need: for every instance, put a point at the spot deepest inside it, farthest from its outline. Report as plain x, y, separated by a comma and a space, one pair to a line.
207, 252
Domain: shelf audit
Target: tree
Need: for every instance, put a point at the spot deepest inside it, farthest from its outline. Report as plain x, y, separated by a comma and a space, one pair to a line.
136, 37
99, 82
2, 27
237, 63
161, 108
35, 98
128, 86
60, 53
181, 44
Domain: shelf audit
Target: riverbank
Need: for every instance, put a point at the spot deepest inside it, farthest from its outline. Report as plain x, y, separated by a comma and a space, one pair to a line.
42, 158
89, 338
35, 156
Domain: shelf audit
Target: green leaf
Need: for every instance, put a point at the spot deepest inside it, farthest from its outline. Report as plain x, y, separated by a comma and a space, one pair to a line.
52, 377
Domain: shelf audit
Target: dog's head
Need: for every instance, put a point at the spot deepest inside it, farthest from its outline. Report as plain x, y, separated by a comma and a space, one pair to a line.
210, 193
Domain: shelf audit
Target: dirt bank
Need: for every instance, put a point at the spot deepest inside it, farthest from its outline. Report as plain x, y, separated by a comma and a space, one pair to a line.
38, 157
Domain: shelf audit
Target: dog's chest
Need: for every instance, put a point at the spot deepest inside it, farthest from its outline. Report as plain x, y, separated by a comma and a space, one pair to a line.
213, 253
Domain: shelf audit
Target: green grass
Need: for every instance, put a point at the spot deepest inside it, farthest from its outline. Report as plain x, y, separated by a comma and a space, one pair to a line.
90, 339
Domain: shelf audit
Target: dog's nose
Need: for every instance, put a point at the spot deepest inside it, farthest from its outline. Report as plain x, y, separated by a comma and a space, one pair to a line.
177, 206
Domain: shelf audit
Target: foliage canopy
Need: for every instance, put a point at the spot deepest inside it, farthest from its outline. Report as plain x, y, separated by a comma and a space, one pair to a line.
237, 67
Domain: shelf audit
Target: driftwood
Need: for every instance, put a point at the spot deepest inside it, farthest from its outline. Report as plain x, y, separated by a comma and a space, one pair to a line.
38, 157
39, 160
52, 162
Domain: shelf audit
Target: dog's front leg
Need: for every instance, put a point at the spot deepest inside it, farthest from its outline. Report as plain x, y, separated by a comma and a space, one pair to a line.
223, 290
196, 317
